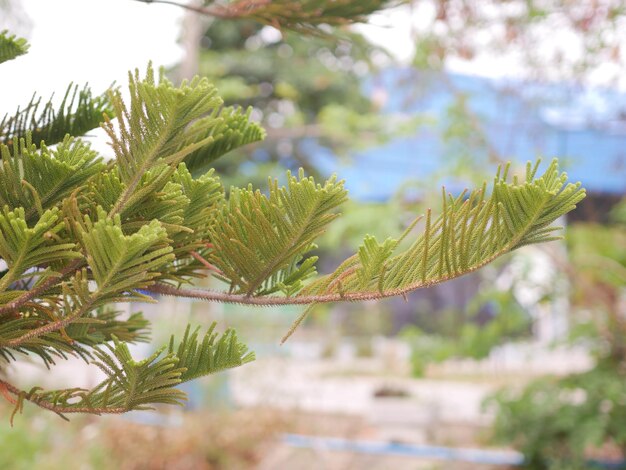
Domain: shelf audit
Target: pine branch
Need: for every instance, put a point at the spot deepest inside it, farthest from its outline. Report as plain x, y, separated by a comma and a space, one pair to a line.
39, 178
23, 248
104, 324
471, 232
75, 339
156, 130
78, 113
56, 344
211, 354
77, 302
118, 264
11, 47
137, 385
305, 16
205, 195
230, 128
44, 283
259, 240
121, 263
38, 399
77, 235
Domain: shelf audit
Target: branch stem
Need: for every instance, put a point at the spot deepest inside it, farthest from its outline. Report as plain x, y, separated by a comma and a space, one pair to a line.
54, 326
7, 387
45, 285
268, 301
216, 11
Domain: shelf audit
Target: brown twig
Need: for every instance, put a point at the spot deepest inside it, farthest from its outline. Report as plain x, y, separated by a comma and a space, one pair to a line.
45, 285
268, 301
50, 327
218, 11
205, 263
6, 388
4, 391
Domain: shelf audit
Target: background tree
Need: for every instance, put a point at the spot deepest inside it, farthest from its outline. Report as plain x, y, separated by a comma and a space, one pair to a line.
309, 92
563, 421
536, 40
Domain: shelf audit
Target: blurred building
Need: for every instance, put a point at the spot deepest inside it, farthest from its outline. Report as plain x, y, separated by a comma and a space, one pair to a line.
472, 124
476, 123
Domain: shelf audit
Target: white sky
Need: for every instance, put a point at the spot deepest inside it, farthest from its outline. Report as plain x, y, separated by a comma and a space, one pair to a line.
95, 41
98, 41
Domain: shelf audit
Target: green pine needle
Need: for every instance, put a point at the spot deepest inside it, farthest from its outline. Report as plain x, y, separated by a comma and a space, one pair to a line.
11, 47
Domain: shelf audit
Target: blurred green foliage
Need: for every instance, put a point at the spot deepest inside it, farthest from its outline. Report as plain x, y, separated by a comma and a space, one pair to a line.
619, 213
230, 440
309, 92
35, 442
556, 423
460, 337
564, 423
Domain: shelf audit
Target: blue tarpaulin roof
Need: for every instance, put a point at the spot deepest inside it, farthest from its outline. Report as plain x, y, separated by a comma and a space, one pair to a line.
585, 128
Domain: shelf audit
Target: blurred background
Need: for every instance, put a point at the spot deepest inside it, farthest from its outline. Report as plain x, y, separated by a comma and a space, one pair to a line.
519, 365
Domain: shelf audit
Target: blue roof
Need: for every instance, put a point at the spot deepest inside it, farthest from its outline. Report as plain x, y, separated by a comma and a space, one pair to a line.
585, 128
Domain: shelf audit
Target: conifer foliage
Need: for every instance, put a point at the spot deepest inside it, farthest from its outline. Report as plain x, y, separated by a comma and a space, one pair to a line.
304, 16
80, 234
11, 46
